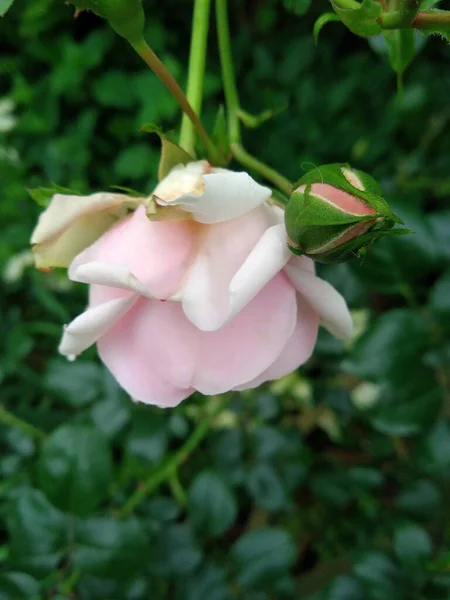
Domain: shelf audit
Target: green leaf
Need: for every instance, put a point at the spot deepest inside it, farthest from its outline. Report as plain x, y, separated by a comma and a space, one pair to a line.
389, 349
175, 552
421, 499
328, 17
212, 505
439, 300
266, 487
110, 548
435, 451
75, 468
5, 5
148, 439
219, 134
263, 556
298, 7
207, 584
38, 532
135, 161
360, 18
18, 586
379, 577
76, 384
412, 545
113, 89
43, 195
426, 4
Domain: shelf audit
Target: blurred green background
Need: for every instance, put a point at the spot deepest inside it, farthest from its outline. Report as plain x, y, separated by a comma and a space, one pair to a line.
331, 484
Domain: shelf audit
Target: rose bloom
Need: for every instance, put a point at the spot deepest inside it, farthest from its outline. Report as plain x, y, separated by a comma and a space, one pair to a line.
193, 288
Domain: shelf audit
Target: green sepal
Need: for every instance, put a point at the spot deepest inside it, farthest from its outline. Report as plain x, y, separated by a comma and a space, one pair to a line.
359, 18
220, 137
43, 195
328, 17
171, 153
332, 175
126, 17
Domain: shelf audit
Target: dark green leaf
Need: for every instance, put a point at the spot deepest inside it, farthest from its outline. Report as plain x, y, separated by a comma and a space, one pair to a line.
212, 505
263, 556
390, 348
76, 384
266, 487
379, 577
208, 583
421, 499
38, 532
75, 468
412, 545
298, 7
175, 552
43, 195
18, 586
110, 548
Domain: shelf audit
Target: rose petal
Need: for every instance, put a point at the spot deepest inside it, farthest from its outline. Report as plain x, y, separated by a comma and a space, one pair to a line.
324, 299
91, 325
297, 350
154, 252
223, 249
71, 223
226, 195
159, 356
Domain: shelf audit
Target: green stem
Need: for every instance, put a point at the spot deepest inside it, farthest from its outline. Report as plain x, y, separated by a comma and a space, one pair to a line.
12, 420
251, 162
422, 20
229, 80
160, 70
197, 58
167, 469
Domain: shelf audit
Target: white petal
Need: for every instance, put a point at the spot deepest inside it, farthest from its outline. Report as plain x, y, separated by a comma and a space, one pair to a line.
226, 195
324, 299
208, 306
267, 258
64, 209
111, 275
91, 325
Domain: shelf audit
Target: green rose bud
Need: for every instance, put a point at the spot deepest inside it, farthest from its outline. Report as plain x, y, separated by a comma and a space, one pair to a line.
126, 17
336, 213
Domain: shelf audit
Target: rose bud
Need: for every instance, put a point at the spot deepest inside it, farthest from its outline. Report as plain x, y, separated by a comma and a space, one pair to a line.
208, 298
126, 17
336, 213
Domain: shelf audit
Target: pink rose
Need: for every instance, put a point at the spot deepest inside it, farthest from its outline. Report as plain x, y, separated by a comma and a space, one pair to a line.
209, 300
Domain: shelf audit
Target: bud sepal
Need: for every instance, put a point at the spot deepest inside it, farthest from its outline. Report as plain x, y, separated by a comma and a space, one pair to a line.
336, 213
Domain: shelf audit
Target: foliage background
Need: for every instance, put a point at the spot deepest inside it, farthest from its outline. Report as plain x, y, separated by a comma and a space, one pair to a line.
332, 484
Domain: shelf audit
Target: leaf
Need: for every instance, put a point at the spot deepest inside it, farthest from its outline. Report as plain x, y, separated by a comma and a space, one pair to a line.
298, 7
266, 487
76, 384
426, 4
328, 17
148, 439
43, 195
219, 134
421, 499
5, 5
262, 556
75, 468
110, 548
379, 577
18, 586
412, 545
175, 552
207, 584
390, 348
38, 532
212, 505
359, 18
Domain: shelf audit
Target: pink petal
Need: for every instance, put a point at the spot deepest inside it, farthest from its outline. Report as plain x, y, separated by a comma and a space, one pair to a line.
297, 350
155, 252
160, 357
223, 249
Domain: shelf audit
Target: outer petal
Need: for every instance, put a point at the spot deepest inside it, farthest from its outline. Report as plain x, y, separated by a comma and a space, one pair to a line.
324, 299
91, 325
226, 195
149, 257
223, 249
71, 223
297, 350
159, 357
